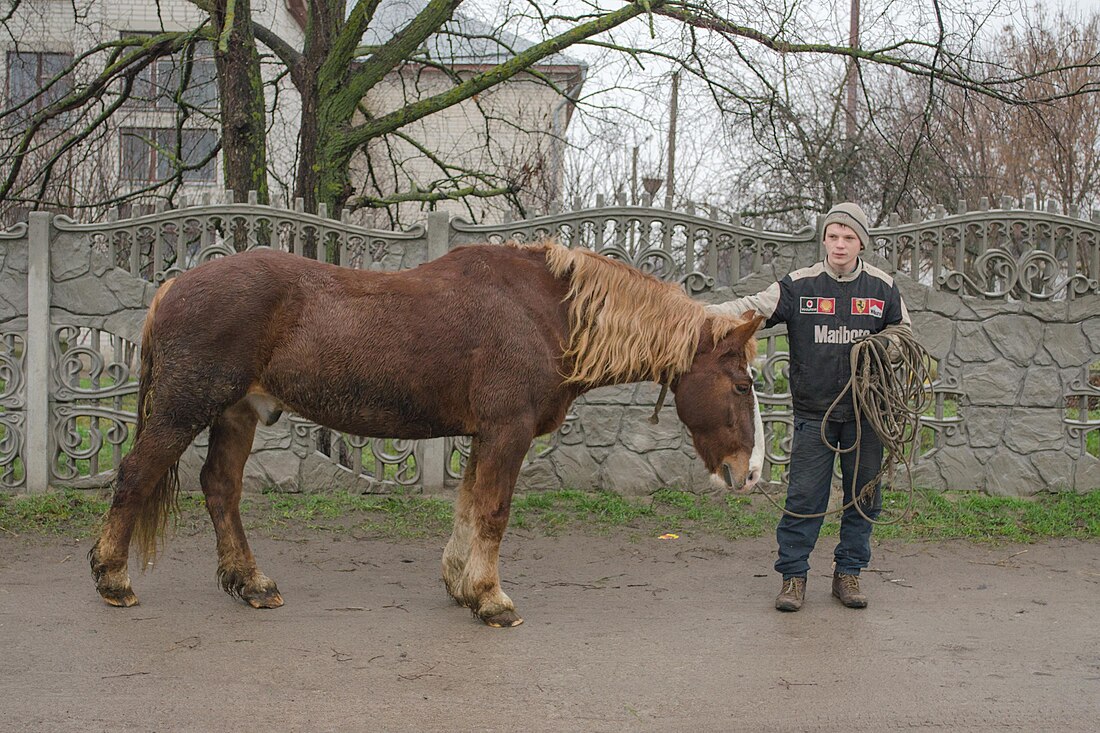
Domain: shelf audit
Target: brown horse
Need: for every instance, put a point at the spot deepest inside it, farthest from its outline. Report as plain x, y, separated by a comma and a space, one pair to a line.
494, 342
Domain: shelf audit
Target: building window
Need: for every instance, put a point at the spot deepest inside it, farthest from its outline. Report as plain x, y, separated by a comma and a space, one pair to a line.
28, 74
151, 154
158, 83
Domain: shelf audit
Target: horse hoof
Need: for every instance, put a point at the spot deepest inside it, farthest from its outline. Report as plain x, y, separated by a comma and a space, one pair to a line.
269, 598
119, 597
502, 620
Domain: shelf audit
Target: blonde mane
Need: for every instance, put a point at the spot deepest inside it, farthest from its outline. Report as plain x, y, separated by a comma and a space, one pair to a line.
625, 325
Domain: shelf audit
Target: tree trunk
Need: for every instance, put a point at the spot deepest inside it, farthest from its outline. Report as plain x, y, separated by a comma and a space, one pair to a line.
241, 94
326, 18
323, 167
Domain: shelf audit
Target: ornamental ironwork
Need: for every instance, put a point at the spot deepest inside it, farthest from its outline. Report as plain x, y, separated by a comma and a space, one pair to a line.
997, 253
167, 242
942, 421
381, 461
1081, 414
94, 387
697, 252
771, 382
13, 401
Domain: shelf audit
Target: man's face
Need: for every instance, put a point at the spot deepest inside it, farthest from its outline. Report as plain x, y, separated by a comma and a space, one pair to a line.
842, 247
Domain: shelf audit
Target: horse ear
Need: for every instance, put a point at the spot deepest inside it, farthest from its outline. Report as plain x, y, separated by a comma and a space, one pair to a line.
739, 336
752, 324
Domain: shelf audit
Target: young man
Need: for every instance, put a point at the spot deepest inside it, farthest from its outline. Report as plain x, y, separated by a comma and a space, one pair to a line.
827, 307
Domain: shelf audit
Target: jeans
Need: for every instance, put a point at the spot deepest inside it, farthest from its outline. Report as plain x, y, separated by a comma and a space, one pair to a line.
811, 476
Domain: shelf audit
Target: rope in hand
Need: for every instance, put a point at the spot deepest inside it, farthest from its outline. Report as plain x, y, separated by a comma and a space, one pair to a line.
891, 388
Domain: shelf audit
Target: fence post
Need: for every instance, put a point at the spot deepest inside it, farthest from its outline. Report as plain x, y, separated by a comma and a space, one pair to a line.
433, 472
439, 233
37, 455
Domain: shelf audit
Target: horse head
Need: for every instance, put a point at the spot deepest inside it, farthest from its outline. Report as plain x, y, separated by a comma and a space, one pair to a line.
715, 400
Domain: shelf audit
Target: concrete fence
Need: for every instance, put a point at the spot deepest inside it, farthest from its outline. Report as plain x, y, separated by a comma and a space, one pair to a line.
1006, 300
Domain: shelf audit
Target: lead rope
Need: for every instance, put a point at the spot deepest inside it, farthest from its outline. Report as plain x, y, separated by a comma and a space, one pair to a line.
891, 397
656, 416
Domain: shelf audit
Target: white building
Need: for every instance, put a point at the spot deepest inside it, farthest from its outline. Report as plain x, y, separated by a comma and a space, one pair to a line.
147, 135
514, 132
511, 132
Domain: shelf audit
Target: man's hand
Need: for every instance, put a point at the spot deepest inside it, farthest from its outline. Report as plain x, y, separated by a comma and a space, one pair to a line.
893, 353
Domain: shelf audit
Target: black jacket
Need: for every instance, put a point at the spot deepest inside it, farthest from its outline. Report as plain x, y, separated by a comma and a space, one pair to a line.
825, 314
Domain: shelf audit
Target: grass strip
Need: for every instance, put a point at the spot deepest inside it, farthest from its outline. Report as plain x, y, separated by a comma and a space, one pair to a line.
935, 516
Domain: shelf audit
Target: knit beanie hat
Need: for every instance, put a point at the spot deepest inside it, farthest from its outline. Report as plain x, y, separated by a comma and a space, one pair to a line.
852, 216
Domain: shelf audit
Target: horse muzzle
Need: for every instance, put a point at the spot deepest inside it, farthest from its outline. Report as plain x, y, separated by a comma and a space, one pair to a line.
728, 478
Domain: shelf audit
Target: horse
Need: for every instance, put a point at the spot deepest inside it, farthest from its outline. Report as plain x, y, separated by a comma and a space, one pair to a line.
489, 341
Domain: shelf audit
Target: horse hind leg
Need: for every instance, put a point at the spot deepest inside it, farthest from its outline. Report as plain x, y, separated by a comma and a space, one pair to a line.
144, 494
231, 437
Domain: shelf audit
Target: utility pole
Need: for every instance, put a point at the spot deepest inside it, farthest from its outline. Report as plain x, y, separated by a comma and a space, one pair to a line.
853, 90
634, 177
851, 126
670, 187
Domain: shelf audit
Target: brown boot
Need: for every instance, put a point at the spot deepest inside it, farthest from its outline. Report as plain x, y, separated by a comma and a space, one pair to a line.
790, 598
846, 588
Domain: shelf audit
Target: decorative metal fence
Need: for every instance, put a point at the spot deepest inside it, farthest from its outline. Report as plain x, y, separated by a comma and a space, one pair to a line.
74, 296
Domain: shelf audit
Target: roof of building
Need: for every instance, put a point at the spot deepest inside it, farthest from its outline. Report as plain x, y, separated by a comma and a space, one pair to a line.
461, 40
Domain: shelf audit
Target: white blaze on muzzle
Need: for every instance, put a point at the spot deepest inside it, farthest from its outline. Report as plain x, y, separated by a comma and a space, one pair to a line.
756, 460
723, 477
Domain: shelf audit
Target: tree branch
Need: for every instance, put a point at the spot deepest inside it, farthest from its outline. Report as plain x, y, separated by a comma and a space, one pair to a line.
385, 59
417, 110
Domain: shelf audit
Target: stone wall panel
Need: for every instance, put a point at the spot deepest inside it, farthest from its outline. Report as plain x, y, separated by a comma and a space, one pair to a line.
1055, 468
991, 383
671, 467
1091, 329
627, 473
601, 424
575, 467
1034, 429
934, 332
1011, 474
947, 304
539, 475
643, 436
1016, 338
985, 425
1086, 473
972, 344
1067, 344
1042, 387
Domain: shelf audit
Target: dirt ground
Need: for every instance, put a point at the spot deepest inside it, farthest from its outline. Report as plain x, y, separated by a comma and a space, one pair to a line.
620, 634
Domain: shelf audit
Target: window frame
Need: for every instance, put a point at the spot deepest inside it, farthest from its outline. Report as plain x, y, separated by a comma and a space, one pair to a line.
62, 87
157, 169
151, 89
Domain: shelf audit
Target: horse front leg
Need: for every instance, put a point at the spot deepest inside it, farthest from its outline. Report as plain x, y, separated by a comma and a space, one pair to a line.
481, 516
457, 551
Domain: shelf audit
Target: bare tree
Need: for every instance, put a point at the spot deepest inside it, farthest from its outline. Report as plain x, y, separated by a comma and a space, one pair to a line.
738, 51
920, 142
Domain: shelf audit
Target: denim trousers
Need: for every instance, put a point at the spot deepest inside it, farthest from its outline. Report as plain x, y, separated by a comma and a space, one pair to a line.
811, 475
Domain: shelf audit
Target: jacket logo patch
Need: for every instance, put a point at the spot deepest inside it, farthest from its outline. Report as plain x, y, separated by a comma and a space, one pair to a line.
826, 306
841, 335
867, 307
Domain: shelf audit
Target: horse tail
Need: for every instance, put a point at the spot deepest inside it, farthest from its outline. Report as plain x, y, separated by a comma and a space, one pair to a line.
152, 515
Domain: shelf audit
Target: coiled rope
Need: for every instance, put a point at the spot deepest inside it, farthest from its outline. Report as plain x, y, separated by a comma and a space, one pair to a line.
891, 388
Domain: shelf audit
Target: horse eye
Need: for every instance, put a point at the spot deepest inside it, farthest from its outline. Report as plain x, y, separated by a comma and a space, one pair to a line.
741, 389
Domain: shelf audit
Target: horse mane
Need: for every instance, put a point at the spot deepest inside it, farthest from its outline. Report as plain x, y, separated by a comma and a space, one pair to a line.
626, 325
